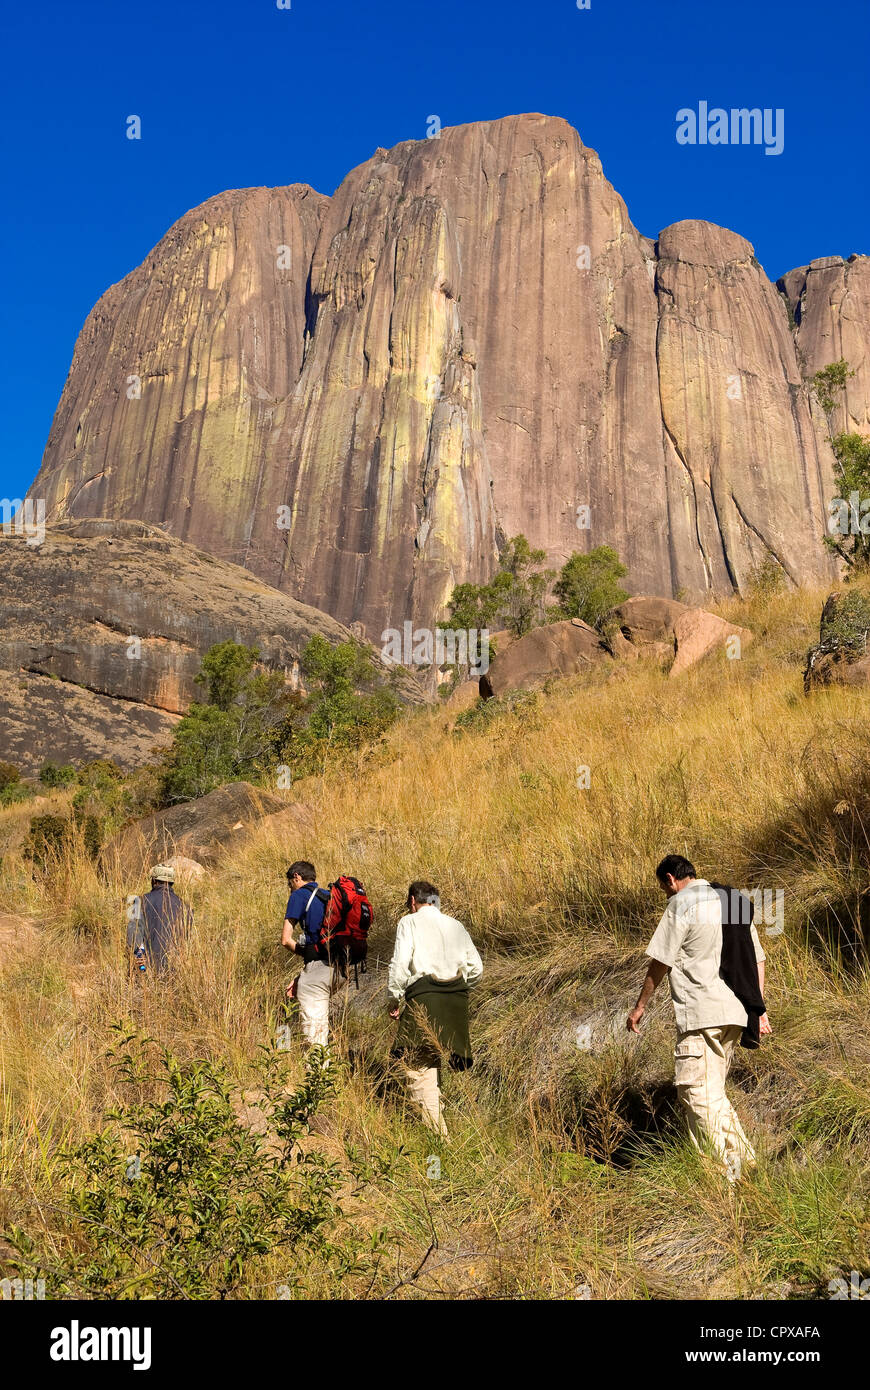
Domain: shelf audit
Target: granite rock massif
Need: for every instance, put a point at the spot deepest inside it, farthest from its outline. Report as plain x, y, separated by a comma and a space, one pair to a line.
105, 625
358, 397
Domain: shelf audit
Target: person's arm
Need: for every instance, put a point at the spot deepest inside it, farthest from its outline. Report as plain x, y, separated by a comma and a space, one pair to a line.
288, 936
764, 1027
473, 963
654, 976
400, 971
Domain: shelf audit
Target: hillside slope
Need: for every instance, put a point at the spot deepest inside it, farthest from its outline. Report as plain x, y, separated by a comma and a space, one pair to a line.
104, 628
569, 1174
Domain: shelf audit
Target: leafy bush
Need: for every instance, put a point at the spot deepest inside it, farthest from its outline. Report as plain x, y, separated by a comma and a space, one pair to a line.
46, 836
176, 1197
52, 775
523, 705
12, 789
766, 581
251, 720
103, 802
588, 586
337, 715
9, 775
843, 631
846, 623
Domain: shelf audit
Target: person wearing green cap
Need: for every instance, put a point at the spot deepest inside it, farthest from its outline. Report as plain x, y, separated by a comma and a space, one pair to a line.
158, 922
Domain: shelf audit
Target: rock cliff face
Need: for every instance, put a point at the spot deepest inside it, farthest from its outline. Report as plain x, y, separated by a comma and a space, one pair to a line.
104, 628
472, 340
830, 304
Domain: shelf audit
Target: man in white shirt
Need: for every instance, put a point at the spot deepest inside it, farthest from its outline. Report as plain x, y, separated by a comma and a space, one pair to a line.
434, 964
687, 946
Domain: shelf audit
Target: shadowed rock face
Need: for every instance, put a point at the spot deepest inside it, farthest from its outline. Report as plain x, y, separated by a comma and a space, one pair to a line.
472, 341
830, 304
214, 331
74, 686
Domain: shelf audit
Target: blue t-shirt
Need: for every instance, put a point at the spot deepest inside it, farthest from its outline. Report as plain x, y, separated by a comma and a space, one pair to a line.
311, 917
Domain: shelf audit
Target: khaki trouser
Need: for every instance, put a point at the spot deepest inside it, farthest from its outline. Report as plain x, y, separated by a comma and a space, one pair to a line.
424, 1091
701, 1062
312, 994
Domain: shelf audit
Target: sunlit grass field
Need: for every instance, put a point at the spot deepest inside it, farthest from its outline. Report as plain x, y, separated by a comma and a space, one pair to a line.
569, 1173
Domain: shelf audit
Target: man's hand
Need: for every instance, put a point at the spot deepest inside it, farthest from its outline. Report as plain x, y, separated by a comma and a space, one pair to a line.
654, 976
634, 1018
291, 988
764, 1028
395, 1009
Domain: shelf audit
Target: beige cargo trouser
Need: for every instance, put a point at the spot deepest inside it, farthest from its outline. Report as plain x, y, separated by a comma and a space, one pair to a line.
424, 1091
701, 1062
312, 995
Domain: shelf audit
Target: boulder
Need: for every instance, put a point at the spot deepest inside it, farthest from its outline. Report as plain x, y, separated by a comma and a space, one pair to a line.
186, 870
644, 626
836, 668
467, 693
841, 656
203, 830
669, 631
557, 649
698, 632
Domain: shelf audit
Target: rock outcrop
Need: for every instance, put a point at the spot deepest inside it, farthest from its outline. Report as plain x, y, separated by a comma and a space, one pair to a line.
558, 649
671, 632
829, 300
104, 628
842, 654
472, 340
205, 829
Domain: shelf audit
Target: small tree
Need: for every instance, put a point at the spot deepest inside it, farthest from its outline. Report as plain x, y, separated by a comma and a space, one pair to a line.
514, 597
852, 478
337, 714
525, 595
828, 385
237, 732
588, 585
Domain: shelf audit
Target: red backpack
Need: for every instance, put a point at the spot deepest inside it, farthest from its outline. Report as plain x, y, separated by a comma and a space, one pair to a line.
344, 931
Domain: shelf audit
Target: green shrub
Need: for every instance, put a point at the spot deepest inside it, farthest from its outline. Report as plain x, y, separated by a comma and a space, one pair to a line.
588, 586
847, 623
45, 840
9, 775
252, 721
52, 775
176, 1197
102, 803
766, 580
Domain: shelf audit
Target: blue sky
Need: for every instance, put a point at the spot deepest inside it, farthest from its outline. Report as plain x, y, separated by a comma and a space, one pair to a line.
233, 93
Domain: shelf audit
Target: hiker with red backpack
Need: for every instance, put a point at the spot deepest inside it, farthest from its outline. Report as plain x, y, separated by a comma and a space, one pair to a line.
335, 922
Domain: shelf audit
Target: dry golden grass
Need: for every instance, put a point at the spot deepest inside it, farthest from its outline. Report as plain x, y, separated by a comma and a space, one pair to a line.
567, 1169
